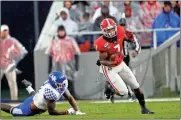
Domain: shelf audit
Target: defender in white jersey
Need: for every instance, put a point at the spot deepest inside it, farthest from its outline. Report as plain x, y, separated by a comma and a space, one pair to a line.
39, 102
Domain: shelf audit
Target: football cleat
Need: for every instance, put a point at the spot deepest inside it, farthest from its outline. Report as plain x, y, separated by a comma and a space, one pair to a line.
26, 83
145, 110
112, 98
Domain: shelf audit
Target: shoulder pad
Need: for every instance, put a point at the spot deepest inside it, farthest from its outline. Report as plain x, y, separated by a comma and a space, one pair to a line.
50, 95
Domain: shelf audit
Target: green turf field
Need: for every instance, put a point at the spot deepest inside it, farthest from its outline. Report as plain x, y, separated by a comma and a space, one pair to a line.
107, 110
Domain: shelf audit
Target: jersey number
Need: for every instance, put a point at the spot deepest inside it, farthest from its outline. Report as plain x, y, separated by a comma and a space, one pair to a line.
118, 47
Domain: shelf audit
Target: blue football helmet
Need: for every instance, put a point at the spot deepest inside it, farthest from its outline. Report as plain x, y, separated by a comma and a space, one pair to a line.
58, 81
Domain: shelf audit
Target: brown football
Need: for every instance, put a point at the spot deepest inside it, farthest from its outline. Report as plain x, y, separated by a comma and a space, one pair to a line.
112, 57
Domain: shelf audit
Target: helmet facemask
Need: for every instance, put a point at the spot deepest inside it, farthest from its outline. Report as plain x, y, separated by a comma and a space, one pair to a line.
110, 31
60, 87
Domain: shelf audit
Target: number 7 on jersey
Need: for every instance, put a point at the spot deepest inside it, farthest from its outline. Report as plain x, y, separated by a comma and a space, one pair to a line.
118, 47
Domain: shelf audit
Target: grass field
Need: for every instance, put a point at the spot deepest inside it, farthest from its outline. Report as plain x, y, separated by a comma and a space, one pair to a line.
164, 110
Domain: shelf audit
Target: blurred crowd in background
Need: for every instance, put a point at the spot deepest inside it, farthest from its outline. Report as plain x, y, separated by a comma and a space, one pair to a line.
86, 16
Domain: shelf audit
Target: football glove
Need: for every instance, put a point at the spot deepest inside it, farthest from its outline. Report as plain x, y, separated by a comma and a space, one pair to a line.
98, 63
79, 113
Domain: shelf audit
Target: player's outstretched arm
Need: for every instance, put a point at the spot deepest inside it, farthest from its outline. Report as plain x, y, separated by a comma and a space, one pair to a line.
73, 103
71, 100
52, 111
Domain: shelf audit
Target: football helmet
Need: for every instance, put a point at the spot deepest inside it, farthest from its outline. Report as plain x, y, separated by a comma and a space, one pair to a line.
58, 81
109, 28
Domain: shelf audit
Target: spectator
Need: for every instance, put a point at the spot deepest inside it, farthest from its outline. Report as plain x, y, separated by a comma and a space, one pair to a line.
64, 20
85, 26
104, 14
62, 51
74, 15
81, 7
176, 7
11, 52
113, 10
133, 22
166, 19
149, 11
95, 5
141, 3
129, 4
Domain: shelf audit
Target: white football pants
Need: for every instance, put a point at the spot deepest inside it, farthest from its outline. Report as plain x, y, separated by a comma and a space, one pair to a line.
119, 76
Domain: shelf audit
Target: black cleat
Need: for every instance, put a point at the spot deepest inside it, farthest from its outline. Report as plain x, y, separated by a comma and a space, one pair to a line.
26, 83
112, 98
145, 110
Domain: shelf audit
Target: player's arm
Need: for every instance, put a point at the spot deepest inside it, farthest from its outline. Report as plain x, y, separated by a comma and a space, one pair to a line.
131, 37
73, 103
71, 100
137, 45
104, 61
52, 111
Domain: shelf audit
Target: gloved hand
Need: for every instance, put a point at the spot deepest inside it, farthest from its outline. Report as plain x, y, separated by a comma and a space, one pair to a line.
71, 111
79, 113
98, 63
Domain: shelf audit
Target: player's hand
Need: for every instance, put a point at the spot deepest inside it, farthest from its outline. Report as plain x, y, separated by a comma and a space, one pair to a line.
79, 113
98, 63
134, 53
71, 111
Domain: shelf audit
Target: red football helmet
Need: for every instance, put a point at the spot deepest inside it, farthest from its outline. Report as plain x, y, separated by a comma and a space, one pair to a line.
109, 28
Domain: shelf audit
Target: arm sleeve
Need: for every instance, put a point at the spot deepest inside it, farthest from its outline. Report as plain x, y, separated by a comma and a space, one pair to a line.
131, 37
18, 51
137, 44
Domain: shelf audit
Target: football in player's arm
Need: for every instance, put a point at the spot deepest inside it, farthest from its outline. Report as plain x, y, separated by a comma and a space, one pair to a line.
45, 99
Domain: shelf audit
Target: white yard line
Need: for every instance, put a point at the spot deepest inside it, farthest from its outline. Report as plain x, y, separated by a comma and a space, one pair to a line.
147, 100
119, 101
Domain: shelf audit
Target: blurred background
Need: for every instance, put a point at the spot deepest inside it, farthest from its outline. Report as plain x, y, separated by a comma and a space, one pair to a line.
60, 36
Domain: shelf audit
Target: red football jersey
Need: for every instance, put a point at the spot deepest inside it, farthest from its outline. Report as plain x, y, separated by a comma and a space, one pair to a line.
111, 47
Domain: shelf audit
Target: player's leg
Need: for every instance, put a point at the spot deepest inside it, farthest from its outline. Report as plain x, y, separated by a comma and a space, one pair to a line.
5, 107
130, 80
29, 88
131, 95
11, 77
109, 91
116, 81
23, 109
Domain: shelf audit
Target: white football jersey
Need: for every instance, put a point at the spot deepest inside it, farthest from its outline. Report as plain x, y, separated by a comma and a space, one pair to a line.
47, 93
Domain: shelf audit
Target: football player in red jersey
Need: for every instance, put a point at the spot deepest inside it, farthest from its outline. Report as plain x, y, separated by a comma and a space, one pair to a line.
111, 55
132, 41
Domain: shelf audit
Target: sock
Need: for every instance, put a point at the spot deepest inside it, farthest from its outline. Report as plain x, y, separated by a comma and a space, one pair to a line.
140, 96
29, 89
